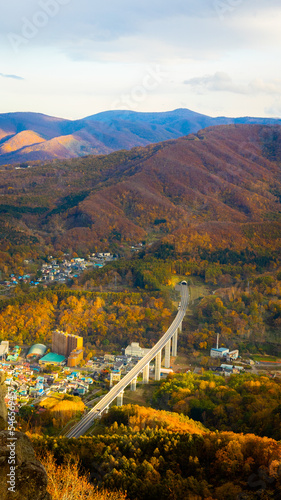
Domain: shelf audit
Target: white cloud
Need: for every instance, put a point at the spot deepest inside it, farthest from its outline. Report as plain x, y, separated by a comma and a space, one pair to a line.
222, 82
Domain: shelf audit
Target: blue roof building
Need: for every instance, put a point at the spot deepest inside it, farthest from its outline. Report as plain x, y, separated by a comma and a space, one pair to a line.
219, 353
52, 359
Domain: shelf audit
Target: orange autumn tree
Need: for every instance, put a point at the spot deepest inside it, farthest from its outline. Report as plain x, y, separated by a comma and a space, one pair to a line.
65, 482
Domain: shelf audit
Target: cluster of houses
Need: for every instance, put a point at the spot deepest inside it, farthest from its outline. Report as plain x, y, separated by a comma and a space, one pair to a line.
31, 383
118, 364
61, 270
15, 280
14, 354
28, 384
67, 269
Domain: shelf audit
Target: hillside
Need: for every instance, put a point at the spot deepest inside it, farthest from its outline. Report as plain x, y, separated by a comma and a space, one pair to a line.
64, 146
101, 133
175, 459
19, 141
218, 188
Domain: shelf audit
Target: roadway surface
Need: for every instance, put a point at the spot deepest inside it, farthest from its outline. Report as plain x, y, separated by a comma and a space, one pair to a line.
85, 423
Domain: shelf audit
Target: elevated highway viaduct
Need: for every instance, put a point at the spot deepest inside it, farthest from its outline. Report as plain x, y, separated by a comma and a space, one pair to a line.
168, 343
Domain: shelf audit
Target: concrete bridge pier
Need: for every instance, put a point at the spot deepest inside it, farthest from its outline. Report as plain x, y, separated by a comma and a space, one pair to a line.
180, 328
168, 354
134, 384
145, 374
157, 374
175, 344
120, 398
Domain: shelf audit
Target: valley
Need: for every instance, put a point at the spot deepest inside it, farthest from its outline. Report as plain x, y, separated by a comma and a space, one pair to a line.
104, 240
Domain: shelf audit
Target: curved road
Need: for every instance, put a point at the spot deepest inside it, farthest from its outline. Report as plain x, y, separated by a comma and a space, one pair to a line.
86, 422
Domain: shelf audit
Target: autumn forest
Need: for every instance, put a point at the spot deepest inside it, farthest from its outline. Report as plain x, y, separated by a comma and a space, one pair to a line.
205, 208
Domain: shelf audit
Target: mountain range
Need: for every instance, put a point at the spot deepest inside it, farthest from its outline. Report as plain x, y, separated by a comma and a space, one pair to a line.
220, 187
29, 137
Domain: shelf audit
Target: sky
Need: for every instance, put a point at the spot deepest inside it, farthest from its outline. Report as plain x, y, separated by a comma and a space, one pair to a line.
75, 58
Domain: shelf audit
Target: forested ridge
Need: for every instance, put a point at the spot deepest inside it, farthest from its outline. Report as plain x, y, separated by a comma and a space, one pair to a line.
154, 455
217, 189
241, 403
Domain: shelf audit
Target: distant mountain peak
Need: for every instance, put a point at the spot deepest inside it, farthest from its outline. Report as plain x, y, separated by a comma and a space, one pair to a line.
100, 133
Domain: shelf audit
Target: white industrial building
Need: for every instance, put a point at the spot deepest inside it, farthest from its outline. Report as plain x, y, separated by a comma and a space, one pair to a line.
220, 352
223, 352
135, 350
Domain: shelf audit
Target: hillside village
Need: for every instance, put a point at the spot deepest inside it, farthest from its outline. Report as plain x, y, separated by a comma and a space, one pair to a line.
60, 270
35, 375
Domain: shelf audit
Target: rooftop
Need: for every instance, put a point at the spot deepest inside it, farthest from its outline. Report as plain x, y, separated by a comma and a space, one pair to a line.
53, 358
221, 349
37, 349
